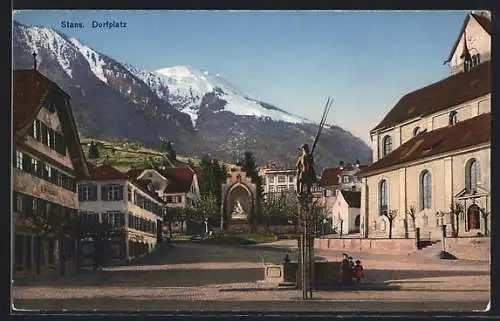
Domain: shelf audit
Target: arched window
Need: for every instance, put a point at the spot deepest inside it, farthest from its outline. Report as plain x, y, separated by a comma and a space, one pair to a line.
473, 175
416, 131
425, 190
453, 118
382, 193
387, 145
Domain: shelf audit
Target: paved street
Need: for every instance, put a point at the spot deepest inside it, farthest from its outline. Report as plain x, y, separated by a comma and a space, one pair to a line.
210, 277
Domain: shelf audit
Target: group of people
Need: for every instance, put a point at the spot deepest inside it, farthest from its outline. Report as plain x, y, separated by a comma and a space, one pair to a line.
351, 271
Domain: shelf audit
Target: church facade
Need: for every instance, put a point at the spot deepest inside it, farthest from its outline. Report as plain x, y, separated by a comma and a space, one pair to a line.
432, 150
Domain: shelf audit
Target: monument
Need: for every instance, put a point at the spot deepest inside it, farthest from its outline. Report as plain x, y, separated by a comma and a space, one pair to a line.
239, 202
306, 176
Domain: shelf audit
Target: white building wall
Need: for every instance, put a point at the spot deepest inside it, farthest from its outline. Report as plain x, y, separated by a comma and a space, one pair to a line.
100, 206
448, 179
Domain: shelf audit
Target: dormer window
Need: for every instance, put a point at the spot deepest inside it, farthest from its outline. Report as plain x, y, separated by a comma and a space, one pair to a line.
453, 118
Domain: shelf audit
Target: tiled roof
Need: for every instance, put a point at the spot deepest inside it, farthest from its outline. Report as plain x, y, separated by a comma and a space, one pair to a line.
108, 172
467, 133
30, 88
483, 21
352, 198
179, 179
330, 177
449, 92
135, 172
105, 172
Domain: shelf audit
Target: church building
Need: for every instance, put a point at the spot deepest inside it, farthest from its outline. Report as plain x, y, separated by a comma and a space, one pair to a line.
432, 150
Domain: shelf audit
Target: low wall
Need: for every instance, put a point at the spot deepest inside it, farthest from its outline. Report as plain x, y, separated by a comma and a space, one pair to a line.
379, 246
469, 248
325, 273
277, 229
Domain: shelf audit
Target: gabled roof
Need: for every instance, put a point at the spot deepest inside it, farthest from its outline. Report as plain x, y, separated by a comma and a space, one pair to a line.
467, 133
451, 91
330, 177
352, 198
106, 172
30, 88
135, 172
484, 22
179, 179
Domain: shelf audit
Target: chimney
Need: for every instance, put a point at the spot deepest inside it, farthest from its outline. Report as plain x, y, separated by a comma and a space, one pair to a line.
34, 60
341, 164
357, 163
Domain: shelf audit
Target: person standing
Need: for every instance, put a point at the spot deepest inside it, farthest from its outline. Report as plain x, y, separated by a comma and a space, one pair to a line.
344, 269
351, 270
358, 272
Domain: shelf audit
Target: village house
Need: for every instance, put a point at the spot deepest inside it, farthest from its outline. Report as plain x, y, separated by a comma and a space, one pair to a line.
432, 150
47, 163
345, 212
276, 179
178, 187
127, 203
344, 177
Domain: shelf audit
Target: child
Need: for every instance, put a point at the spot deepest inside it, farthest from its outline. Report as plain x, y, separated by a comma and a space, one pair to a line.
358, 272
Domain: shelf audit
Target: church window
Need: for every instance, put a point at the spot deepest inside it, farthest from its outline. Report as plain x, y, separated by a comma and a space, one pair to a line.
473, 175
387, 145
453, 118
425, 190
383, 197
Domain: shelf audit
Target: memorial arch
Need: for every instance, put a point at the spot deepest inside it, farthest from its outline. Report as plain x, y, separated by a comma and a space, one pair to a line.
238, 212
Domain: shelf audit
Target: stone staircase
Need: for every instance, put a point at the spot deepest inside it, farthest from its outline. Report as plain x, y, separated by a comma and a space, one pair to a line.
429, 248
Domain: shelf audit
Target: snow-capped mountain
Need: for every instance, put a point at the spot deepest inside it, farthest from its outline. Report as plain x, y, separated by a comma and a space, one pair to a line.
185, 87
200, 112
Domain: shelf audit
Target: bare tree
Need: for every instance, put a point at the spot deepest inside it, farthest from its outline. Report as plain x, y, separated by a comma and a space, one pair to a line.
39, 223
391, 216
455, 211
341, 223
485, 213
412, 213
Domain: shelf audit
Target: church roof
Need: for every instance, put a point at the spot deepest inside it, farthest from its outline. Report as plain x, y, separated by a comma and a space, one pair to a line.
451, 91
467, 133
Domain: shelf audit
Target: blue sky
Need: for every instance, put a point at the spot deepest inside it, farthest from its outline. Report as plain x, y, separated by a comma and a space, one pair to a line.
292, 59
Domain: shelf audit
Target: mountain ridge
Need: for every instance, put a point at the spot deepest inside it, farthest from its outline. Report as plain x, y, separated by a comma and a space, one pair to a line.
203, 115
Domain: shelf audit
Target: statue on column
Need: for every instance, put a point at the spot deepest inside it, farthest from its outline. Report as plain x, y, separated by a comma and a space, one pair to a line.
306, 175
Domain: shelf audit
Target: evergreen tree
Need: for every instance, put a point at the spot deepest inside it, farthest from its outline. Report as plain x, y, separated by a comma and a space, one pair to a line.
93, 150
167, 148
250, 166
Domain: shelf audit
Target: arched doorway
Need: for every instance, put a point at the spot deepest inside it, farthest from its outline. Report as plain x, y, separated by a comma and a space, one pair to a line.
473, 217
357, 222
239, 201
